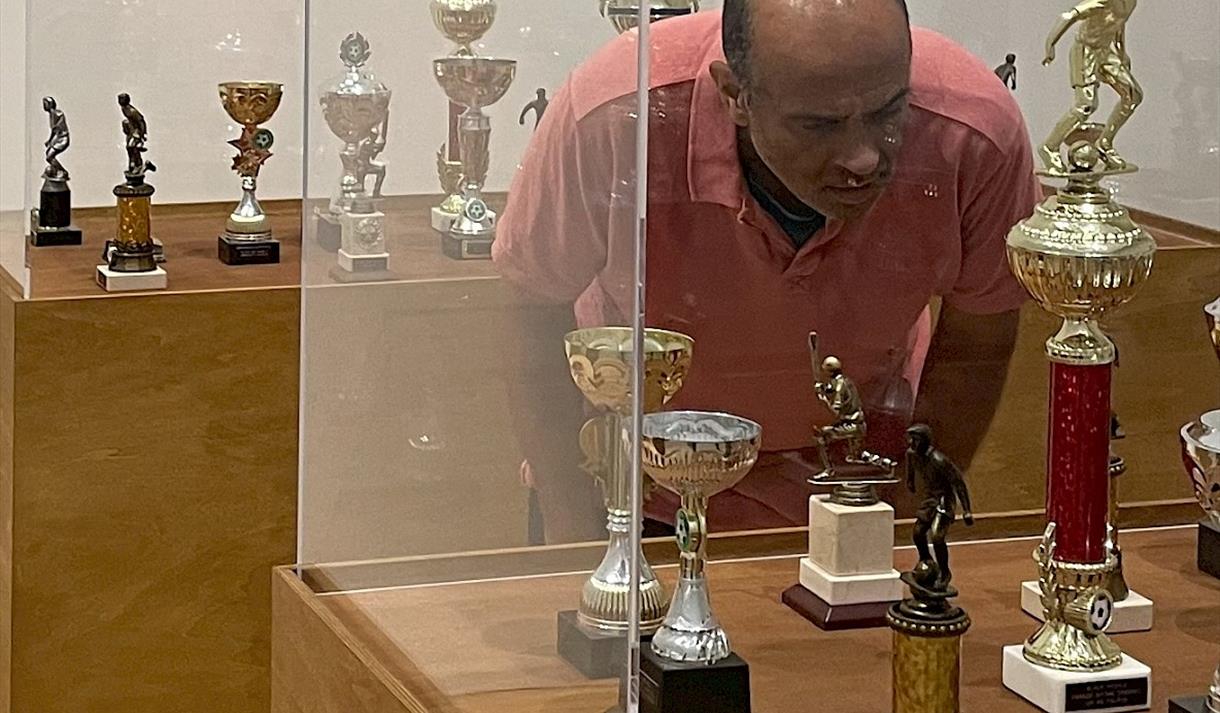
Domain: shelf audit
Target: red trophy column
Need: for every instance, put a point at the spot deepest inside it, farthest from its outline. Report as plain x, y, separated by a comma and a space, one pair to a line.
1078, 481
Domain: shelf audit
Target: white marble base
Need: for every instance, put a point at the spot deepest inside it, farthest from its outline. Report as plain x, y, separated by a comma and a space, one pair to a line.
842, 590
1135, 613
363, 263
1049, 689
112, 281
442, 221
845, 540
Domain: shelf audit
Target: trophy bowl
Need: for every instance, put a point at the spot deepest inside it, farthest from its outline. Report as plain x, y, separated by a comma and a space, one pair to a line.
352, 117
474, 82
463, 21
699, 453
251, 103
1201, 456
600, 360
625, 14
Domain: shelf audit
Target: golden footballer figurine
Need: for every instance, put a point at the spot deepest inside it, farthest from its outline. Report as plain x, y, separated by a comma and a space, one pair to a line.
1098, 56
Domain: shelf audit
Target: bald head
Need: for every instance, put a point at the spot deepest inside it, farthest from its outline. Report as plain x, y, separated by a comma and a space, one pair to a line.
808, 19
818, 89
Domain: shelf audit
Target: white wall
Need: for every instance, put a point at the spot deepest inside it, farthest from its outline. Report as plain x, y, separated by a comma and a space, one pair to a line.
169, 54
12, 137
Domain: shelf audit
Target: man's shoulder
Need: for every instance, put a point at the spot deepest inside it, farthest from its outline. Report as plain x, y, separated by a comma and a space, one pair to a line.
680, 48
950, 83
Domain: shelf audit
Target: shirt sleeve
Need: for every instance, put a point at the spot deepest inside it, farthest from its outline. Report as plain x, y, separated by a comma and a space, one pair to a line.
552, 239
1003, 192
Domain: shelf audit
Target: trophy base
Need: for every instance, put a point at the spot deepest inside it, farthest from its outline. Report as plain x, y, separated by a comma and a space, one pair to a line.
1198, 704
113, 281
442, 220
1209, 548
829, 617
675, 687
245, 251
364, 263
327, 230
466, 248
1135, 613
346, 277
41, 237
596, 654
1122, 689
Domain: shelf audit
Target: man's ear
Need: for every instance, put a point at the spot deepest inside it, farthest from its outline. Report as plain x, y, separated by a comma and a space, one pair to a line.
731, 92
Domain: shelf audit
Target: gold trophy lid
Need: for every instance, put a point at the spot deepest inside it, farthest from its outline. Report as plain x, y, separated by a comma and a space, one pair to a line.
699, 451
463, 22
251, 103
600, 361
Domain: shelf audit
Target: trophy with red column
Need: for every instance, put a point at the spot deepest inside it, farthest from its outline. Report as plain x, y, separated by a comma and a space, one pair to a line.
1081, 256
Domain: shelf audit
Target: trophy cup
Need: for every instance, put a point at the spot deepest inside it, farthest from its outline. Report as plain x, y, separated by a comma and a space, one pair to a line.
462, 22
357, 111
928, 630
848, 580
625, 14
51, 221
247, 237
129, 260
689, 665
1080, 256
1201, 456
474, 83
592, 637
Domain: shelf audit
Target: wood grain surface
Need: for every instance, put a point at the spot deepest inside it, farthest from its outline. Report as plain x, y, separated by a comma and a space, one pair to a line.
489, 646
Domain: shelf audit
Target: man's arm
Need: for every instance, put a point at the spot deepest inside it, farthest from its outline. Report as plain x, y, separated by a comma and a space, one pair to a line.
963, 378
551, 244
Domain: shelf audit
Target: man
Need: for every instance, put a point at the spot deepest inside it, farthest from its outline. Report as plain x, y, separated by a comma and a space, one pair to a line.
57, 142
825, 171
943, 488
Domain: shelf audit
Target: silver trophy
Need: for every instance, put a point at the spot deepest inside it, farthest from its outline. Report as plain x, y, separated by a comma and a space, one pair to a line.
1201, 456
695, 454
357, 109
624, 14
474, 83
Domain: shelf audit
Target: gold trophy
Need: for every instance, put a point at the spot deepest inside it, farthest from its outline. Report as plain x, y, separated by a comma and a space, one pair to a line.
474, 83
1081, 256
462, 22
601, 362
624, 14
247, 237
695, 454
1201, 456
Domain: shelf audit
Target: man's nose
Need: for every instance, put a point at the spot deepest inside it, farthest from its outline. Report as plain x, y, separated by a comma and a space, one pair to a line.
861, 159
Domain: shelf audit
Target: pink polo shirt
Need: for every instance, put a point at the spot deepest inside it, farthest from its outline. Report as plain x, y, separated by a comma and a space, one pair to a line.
720, 269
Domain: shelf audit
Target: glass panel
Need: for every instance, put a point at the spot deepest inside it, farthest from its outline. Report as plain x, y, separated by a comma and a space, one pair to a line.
454, 478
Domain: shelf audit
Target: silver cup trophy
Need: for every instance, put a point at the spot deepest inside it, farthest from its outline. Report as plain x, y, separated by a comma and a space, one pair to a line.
624, 14
695, 454
357, 110
1201, 456
474, 83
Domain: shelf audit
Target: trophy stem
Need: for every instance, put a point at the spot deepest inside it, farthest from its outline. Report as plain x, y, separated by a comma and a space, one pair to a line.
349, 184
606, 596
691, 631
248, 221
474, 140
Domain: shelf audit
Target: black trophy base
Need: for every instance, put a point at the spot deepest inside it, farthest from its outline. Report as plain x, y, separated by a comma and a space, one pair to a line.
1198, 704
234, 251
51, 237
1209, 548
832, 618
595, 654
466, 248
672, 687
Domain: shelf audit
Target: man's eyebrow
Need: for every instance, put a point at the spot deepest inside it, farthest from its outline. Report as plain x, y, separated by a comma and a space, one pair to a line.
898, 97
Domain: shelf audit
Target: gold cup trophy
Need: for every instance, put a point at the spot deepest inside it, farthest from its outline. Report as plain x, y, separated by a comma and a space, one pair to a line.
462, 22
247, 238
1081, 256
601, 362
